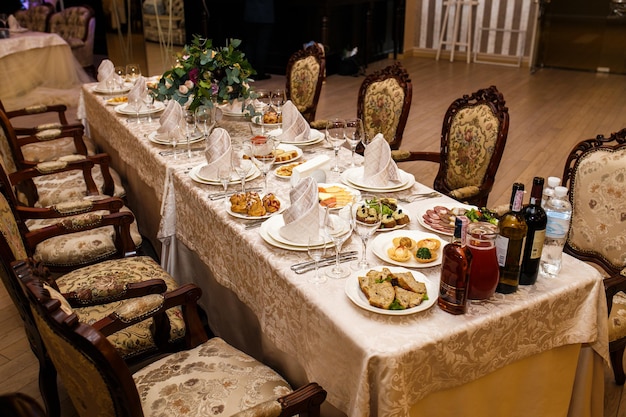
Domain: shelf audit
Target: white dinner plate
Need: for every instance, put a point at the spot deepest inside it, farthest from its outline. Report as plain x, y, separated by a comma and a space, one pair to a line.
265, 235
402, 226
247, 217
354, 177
273, 229
421, 211
235, 180
125, 89
257, 120
315, 136
279, 175
289, 148
354, 293
162, 138
114, 102
384, 241
125, 109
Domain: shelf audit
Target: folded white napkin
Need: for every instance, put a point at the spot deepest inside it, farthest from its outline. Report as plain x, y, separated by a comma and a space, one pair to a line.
307, 168
13, 23
302, 217
139, 91
218, 153
171, 117
106, 71
295, 126
379, 169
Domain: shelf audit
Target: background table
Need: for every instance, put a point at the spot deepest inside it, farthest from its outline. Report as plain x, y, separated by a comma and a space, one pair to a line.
536, 352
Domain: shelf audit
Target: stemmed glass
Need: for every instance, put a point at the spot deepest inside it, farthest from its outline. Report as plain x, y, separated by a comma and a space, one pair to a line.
149, 101
174, 136
189, 125
263, 156
223, 173
366, 139
335, 135
135, 102
316, 248
133, 72
354, 134
338, 227
120, 78
242, 167
205, 119
279, 98
366, 219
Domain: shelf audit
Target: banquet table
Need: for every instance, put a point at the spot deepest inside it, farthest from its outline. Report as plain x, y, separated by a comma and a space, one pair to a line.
539, 351
37, 59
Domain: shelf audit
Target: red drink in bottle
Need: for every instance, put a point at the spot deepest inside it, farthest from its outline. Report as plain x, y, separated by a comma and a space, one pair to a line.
485, 272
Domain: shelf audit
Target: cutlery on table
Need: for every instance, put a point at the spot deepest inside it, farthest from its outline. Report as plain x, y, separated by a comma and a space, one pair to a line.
169, 153
416, 197
303, 267
221, 194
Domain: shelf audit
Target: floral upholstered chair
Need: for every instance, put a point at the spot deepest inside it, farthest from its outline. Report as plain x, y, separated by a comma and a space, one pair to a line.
473, 136
213, 378
35, 18
595, 173
77, 25
384, 103
305, 77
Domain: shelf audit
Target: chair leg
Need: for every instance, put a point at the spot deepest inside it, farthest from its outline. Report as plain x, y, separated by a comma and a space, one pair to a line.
618, 366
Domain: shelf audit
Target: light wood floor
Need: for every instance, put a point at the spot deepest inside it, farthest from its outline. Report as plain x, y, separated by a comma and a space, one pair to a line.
550, 111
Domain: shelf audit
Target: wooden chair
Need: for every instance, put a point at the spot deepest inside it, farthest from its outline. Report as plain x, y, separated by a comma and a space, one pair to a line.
211, 378
36, 17
474, 133
595, 173
16, 404
77, 25
305, 77
384, 102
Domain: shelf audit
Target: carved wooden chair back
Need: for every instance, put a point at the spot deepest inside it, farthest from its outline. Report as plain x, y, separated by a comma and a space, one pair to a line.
305, 77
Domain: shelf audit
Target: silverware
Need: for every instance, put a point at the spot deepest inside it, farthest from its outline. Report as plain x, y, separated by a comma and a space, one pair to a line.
326, 263
221, 194
169, 153
301, 265
254, 224
416, 197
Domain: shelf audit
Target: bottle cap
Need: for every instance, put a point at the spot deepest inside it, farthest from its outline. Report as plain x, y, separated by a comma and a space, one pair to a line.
560, 192
554, 182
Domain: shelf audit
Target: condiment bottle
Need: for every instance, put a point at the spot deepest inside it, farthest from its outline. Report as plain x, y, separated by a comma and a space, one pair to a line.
455, 270
510, 242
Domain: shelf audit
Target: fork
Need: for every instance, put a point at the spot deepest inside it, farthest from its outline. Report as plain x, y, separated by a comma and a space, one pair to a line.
416, 197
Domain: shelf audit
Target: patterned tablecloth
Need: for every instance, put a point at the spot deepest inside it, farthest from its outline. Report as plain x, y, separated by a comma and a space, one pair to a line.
370, 364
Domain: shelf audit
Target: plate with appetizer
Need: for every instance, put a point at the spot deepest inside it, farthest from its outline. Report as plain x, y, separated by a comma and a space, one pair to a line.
114, 101
390, 290
285, 170
336, 195
284, 154
251, 205
440, 218
394, 217
409, 248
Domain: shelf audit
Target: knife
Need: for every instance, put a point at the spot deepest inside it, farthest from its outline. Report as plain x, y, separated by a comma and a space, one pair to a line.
324, 259
326, 263
220, 195
168, 153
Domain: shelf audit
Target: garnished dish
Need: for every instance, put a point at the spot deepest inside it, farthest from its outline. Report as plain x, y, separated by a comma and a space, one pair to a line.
284, 153
408, 248
117, 100
393, 216
335, 196
285, 171
441, 219
391, 290
252, 205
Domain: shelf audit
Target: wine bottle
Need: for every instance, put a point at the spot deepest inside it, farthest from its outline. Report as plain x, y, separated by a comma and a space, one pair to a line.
536, 221
510, 242
455, 270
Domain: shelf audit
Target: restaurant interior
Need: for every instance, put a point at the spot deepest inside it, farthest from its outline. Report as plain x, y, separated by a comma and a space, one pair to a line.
551, 73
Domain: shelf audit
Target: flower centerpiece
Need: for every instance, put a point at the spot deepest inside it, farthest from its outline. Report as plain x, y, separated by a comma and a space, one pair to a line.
204, 75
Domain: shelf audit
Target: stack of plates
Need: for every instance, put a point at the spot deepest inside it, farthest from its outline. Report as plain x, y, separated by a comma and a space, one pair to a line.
314, 137
103, 90
128, 110
270, 232
197, 177
163, 139
354, 178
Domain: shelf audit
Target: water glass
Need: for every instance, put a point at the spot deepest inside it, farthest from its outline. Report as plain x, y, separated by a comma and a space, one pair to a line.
120, 77
242, 166
263, 156
316, 249
132, 72
223, 174
149, 102
367, 216
205, 119
338, 227
335, 135
354, 133
135, 103
189, 126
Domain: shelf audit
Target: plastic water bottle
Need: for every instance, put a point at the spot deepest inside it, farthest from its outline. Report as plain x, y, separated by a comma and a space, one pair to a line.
548, 190
559, 212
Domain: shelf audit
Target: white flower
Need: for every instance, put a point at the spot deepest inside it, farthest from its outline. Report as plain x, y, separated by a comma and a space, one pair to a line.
183, 89
189, 84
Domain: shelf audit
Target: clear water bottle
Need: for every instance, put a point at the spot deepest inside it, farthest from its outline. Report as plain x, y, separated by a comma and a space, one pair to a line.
548, 190
559, 212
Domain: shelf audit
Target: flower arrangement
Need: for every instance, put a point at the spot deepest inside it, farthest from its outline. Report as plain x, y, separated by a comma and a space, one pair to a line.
204, 75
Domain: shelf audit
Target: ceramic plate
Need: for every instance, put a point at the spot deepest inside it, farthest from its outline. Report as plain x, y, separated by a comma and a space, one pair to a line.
235, 180
162, 139
270, 126
354, 177
128, 111
314, 137
281, 173
289, 148
247, 217
384, 241
354, 293
263, 232
355, 194
402, 226
273, 229
430, 208
125, 89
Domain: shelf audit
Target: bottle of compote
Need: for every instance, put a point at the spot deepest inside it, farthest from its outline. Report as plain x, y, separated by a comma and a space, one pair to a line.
456, 264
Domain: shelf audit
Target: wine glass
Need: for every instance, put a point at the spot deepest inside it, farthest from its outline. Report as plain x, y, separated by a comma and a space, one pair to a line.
316, 249
263, 156
338, 226
354, 134
279, 98
173, 136
223, 174
263, 98
133, 72
135, 102
367, 216
189, 126
120, 77
242, 166
205, 119
149, 102
335, 135
366, 138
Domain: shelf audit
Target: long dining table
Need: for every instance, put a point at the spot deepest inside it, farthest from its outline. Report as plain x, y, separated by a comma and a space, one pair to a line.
539, 351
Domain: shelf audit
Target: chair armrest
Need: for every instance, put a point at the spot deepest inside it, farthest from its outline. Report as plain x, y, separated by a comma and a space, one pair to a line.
60, 109
85, 296
73, 208
305, 400
613, 285
76, 132
401, 155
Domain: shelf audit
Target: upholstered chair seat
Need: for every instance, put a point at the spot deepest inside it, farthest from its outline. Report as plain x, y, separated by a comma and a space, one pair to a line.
36, 17
305, 77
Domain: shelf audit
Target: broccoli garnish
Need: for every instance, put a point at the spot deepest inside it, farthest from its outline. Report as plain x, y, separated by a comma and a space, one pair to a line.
423, 253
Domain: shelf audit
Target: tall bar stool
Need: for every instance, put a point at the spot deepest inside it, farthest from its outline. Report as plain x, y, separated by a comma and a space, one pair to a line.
454, 42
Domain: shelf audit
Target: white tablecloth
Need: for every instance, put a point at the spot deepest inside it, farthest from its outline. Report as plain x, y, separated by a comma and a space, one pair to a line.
370, 364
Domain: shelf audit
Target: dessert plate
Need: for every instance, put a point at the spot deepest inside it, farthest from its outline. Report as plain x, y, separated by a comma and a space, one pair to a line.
128, 111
